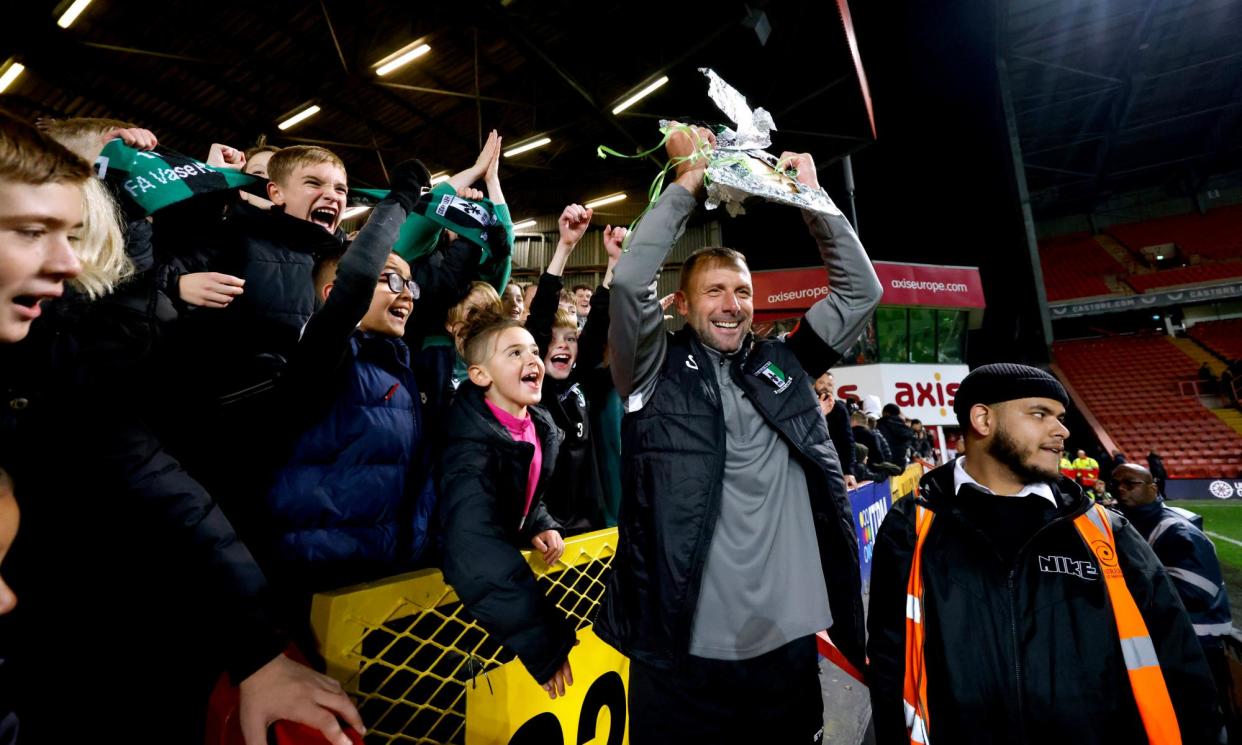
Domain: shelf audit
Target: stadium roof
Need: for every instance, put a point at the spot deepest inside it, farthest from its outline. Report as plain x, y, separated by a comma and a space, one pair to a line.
228, 71
1116, 95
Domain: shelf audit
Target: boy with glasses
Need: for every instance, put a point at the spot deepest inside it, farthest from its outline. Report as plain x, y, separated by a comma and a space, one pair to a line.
354, 497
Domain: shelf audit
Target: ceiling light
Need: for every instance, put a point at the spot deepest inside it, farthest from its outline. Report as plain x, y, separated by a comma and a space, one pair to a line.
604, 200
639, 95
353, 212
69, 16
440, 178
401, 57
302, 115
11, 71
527, 146
1159, 257
532, 222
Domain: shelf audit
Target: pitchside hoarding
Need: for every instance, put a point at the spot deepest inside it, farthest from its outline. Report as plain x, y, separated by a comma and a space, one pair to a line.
923, 392
1203, 488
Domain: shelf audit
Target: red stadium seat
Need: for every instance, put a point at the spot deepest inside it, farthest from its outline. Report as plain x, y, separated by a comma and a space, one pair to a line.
1130, 384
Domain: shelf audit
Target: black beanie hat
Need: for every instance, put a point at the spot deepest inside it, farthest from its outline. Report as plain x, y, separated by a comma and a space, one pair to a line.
1004, 381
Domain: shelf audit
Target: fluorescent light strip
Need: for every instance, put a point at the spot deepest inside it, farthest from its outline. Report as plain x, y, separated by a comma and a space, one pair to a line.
604, 200
403, 59
532, 222
69, 16
528, 146
639, 95
353, 212
302, 115
440, 178
10, 74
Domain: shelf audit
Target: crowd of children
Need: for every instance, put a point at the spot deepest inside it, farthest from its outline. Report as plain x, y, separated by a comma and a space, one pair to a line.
217, 407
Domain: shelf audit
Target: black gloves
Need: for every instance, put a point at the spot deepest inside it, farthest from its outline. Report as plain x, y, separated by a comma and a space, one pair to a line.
407, 181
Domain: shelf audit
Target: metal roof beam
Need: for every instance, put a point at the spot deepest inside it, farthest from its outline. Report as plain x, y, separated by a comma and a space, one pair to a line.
1065, 68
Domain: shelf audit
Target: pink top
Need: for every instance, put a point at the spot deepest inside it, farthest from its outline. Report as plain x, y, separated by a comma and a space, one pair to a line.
522, 430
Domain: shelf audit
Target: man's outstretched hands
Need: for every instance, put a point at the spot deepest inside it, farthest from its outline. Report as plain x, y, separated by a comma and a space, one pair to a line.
684, 143
284, 689
573, 223
805, 165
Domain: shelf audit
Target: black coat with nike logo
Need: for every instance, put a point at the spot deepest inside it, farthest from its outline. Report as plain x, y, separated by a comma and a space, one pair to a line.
1024, 650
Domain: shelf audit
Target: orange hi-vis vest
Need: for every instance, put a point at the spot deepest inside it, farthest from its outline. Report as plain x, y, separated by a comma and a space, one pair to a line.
1146, 681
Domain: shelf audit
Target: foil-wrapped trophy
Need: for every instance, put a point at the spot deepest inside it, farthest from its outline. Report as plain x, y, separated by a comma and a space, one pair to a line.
740, 167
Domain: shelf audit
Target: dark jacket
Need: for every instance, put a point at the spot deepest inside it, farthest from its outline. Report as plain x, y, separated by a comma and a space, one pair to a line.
248, 342
444, 278
842, 435
1190, 559
898, 436
483, 491
877, 446
155, 567
355, 498
674, 451
575, 494
921, 447
1023, 649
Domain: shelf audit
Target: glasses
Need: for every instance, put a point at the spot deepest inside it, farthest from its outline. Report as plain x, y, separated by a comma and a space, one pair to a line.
397, 283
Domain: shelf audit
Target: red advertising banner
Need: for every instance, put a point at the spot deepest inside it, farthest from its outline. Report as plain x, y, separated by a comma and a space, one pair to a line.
904, 284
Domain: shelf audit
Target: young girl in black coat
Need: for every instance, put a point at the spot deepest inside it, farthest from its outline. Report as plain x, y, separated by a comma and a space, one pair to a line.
496, 465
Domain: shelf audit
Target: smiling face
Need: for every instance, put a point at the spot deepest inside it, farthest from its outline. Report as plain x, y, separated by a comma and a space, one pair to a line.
39, 231
514, 304
582, 299
390, 310
314, 192
717, 304
511, 371
562, 352
1026, 435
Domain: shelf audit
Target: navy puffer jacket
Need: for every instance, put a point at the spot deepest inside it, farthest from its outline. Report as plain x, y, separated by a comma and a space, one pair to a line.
341, 498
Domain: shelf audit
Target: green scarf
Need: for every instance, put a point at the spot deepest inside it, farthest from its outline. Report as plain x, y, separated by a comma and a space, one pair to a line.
154, 179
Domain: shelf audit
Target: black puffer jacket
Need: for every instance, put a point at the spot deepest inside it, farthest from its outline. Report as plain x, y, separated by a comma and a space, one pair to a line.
275, 254
123, 561
1028, 650
483, 491
575, 494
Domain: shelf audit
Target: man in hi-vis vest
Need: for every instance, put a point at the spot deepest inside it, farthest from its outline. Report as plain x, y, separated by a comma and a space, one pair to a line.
1006, 607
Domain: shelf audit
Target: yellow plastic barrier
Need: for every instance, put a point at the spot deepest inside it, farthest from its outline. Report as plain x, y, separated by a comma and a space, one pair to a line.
422, 671
907, 483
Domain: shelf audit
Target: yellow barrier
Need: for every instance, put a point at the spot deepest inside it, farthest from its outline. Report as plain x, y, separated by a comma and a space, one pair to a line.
423, 671
907, 483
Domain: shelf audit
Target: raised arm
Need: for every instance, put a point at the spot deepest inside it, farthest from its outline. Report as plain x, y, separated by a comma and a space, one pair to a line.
637, 332
465, 178
833, 323
327, 333
573, 224
593, 340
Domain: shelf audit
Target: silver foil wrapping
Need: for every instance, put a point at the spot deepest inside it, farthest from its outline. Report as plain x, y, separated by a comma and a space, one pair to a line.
741, 168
